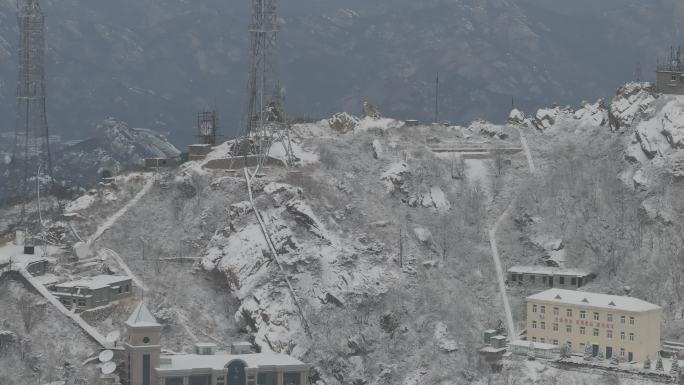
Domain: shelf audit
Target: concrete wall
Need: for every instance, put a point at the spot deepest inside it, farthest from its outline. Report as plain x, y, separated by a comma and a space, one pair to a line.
666, 84
240, 162
646, 328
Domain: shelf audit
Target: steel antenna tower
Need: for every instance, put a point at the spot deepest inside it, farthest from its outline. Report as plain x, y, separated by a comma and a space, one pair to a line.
266, 120
32, 138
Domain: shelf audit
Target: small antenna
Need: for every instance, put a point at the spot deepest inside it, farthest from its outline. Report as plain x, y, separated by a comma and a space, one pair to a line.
437, 98
637, 72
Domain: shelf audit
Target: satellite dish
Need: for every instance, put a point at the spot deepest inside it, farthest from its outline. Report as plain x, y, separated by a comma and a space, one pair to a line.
108, 367
106, 355
113, 336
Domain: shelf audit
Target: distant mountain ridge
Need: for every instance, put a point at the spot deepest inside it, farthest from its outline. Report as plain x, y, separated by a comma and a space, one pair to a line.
156, 64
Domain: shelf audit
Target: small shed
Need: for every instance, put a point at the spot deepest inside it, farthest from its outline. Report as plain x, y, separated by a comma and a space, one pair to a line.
198, 151
549, 277
539, 350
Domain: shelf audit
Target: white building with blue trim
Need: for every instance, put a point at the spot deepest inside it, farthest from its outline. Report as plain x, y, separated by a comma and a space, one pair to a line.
147, 366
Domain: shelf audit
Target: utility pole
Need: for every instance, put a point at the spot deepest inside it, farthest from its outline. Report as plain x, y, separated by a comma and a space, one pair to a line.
401, 248
437, 98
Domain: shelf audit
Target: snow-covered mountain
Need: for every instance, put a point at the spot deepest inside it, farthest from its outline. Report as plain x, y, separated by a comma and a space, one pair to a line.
113, 147
155, 65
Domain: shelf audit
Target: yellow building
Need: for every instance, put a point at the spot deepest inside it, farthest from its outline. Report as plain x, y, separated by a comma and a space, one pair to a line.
611, 324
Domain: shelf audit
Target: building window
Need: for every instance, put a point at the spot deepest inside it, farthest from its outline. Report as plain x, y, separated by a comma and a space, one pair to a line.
534, 339
596, 332
622, 352
568, 312
555, 342
128, 288
174, 381
267, 378
583, 314
292, 378
622, 336
561, 280
514, 277
609, 334
573, 281
569, 343
81, 302
583, 330
555, 311
146, 340
534, 324
219, 381
555, 327
631, 320
542, 340
622, 319
120, 289
200, 380
568, 328
596, 316
534, 308
543, 309
542, 325
532, 277
610, 318
673, 77
631, 336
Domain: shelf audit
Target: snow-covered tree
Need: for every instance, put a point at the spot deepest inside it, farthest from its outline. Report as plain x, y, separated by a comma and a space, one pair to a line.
659, 364
588, 352
647, 363
565, 351
615, 360
530, 352
674, 369
601, 357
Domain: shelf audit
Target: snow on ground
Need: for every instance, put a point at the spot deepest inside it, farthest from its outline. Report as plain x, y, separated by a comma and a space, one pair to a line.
80, 203
305, 156
394, 175
383, 124
15, 253
477, 173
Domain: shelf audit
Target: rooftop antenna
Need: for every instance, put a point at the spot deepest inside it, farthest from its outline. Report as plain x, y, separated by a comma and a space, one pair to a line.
32, 137
437, 98
265, 117
637, 72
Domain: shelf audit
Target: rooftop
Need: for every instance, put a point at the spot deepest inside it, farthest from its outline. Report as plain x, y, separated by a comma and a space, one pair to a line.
605, 301
142, 317
195, 362
537, 345
548, 270
96, 282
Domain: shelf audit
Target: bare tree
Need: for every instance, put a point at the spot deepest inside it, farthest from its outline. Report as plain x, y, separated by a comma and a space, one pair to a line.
31, 309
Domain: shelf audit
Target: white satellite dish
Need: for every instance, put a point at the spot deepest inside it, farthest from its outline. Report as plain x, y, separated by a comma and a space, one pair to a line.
113, 336
108, 367
106, 355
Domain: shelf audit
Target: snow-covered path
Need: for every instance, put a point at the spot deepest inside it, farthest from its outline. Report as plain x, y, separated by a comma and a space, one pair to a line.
528, 153
499, 272
107, 224
124, 266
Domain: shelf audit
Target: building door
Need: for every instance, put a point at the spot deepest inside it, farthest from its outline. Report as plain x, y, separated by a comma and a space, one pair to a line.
594, 350
609, 352
630, 356
551, 281
236, 373
146, 369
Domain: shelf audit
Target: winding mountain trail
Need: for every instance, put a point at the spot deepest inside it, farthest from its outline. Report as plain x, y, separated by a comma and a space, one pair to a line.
500, 277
